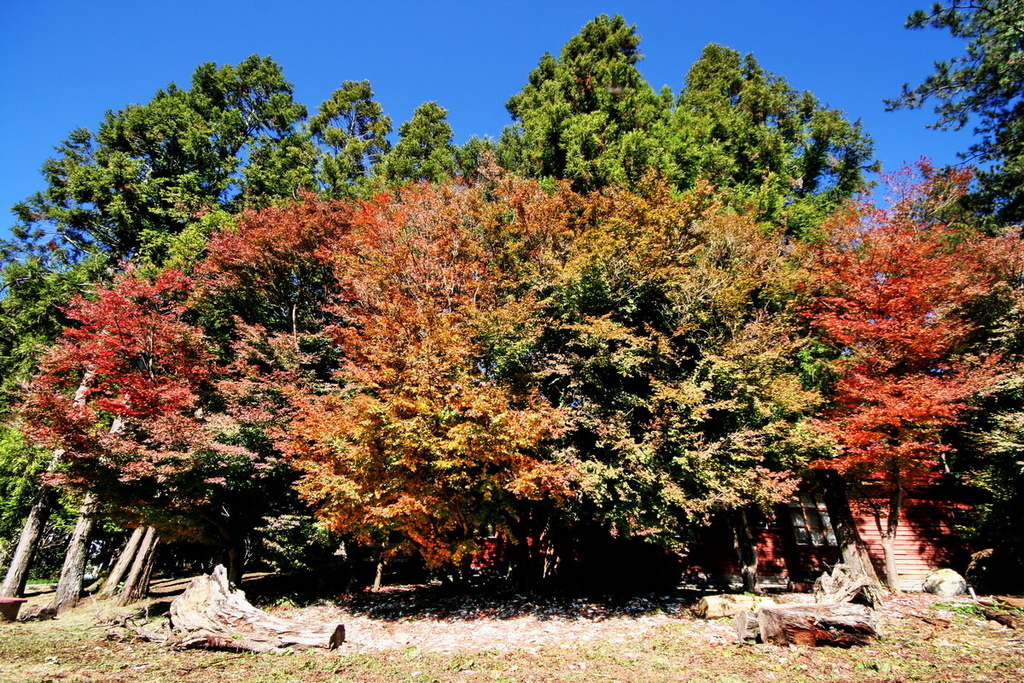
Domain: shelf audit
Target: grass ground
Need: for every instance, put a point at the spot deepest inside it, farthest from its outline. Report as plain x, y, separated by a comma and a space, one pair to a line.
923, 639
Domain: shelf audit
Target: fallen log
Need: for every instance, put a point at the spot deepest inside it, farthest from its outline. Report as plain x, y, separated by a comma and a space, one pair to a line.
839, 625
210, 614
1017, 603
1014, 621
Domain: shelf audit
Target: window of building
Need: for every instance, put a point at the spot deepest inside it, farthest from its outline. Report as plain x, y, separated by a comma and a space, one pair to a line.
811, 524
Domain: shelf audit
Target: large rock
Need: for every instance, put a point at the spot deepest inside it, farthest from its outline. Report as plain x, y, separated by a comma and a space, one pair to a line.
944, 582
717, 606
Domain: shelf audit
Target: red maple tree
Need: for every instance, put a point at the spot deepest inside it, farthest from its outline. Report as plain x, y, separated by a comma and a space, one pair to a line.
125, 397
893, 285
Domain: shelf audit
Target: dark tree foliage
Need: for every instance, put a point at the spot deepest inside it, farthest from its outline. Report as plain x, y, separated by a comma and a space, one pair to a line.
768, 147
587, 115
150, 170
984, 85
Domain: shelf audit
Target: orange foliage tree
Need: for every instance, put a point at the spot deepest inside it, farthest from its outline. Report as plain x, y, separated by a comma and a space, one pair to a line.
672, 350
421, 444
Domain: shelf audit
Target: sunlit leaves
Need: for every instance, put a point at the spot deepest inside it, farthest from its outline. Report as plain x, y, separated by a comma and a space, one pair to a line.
421, 446
894, 287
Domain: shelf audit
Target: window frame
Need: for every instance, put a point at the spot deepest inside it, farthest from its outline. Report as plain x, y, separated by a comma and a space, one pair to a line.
809, 518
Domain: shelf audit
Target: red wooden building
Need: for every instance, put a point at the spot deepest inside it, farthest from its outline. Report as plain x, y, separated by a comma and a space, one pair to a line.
796, 543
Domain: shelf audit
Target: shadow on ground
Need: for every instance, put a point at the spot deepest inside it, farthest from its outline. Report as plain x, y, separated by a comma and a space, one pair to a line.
437, 602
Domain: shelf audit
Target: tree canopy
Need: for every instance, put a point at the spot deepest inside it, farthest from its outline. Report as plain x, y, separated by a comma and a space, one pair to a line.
636, 313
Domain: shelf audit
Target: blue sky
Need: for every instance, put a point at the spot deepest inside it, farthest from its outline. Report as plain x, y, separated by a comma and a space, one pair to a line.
63, 63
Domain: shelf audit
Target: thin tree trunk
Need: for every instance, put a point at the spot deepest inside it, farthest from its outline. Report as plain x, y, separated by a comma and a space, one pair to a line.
124, 560
236, 563
5, 556
136, 586
46, 500
69, 587
892, 524
852, 549
17, 573
378, 579
233, 548
745, 545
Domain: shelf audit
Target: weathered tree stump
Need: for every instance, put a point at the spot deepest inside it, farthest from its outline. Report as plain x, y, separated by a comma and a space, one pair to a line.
210, 614
839, 625
846, 584
9, 608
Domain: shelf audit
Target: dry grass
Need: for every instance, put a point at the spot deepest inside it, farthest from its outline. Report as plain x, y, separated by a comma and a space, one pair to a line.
417, 636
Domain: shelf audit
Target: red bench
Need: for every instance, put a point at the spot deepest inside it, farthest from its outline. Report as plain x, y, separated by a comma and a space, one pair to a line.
9, 608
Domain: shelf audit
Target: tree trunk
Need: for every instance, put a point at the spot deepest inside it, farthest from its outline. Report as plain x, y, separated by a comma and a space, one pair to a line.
136, 586
5, 554
852, 549
14, 582
236, 563
124, 560
69, 587
892, 525
232, 546
745, 545
845, 584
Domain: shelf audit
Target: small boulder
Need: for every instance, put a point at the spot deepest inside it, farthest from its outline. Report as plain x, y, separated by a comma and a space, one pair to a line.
717, 606
944, 582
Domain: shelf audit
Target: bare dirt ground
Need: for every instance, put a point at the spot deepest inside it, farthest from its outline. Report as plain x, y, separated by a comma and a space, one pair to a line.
424, 634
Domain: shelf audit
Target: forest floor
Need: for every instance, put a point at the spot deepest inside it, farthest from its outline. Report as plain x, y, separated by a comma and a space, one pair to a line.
423, 634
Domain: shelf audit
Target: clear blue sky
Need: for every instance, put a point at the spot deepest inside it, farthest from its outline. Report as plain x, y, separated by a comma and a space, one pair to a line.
63, 63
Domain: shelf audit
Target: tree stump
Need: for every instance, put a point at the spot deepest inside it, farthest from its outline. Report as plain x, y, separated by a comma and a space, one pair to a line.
840, 625
846, 584
210, 614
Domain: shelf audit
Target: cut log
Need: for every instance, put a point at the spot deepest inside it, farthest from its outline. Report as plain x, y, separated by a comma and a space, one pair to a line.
746, 626
840, 625
1016, 603
210, 614
718, 606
